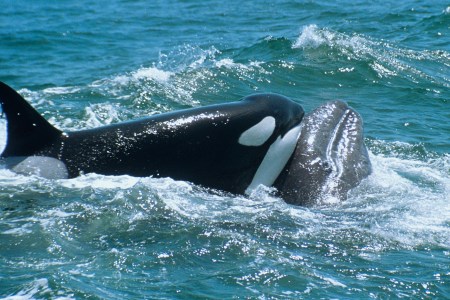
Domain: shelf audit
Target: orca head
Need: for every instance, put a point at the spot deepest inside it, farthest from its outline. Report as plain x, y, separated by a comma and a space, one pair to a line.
278, 129
330, 157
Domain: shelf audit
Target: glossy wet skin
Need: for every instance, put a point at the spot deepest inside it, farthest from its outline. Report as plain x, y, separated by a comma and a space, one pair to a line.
330, 157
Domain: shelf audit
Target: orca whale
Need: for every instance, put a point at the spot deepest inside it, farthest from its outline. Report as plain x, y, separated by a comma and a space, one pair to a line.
263, 139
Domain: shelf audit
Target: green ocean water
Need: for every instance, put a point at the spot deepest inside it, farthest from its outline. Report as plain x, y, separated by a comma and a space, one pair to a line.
90, 63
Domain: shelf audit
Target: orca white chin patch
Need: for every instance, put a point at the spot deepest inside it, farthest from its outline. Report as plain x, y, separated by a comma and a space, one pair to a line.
275, 159
258, 134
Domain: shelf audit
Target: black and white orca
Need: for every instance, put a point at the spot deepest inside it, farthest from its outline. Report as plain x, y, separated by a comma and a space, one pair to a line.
263, 139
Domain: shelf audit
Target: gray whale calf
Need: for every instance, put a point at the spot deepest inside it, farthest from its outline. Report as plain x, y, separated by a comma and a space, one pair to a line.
263, 139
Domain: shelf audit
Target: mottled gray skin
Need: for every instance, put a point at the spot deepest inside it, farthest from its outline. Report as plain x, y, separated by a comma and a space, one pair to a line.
330, 157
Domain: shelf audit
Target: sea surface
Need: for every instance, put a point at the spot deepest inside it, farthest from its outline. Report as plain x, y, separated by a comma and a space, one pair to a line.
86, 63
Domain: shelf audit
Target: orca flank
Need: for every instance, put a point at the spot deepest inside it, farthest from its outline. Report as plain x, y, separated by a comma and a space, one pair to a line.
200, 145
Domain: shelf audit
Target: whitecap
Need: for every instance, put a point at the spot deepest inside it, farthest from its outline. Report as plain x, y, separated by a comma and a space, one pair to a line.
310, 37
96, 181
101, 114
152, 73
19, 230
61, 90
37, 287
407, 200
385, 58
229, 63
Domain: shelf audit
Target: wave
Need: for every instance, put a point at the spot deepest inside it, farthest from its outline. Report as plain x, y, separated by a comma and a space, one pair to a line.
403, 204
36, 287
186, 77
385, 59
190, 76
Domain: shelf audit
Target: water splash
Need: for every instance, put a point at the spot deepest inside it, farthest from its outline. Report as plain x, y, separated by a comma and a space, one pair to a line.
126, 221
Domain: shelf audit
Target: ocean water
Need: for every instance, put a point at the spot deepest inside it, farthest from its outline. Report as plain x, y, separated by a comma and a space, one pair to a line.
89, 63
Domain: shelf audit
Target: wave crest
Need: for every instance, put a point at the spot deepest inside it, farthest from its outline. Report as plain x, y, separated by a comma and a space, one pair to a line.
385, 59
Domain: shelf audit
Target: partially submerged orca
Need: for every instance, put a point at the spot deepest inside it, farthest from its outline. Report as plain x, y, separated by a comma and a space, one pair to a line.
261, 139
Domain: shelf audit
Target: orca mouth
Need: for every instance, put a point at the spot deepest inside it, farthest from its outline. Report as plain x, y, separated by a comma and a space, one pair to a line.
330, 157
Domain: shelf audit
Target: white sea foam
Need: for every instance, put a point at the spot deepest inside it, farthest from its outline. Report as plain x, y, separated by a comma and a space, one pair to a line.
11, 179
61, 90
152, 73
100, 182
412, 205
333, 281
101, 114
227, 63
29, 95
178, 196
38, 286
23, 229
405, 201
178, 75
230, 64
310, 37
